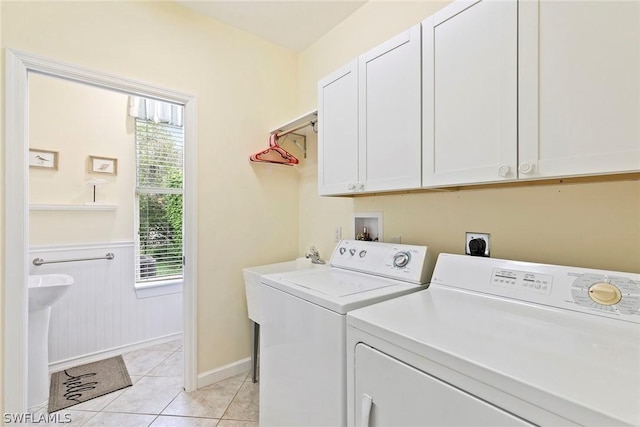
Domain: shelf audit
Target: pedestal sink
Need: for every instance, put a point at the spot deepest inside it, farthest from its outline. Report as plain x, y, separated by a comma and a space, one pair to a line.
44, 291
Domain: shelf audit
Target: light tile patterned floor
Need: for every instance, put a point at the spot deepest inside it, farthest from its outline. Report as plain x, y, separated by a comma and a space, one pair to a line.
157, 398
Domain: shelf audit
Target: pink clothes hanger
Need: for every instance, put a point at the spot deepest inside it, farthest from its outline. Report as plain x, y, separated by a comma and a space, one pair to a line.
274, 154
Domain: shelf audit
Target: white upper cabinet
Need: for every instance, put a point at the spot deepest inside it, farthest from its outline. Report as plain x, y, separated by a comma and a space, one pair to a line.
488, 91
390, 122
370, 122
338, 130
470, 93
579, 107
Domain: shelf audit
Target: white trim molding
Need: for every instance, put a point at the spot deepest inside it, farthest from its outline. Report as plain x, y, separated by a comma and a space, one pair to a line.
75, 246
158, 287
18, 66
16, 228
88, 207
100, 355
224, 372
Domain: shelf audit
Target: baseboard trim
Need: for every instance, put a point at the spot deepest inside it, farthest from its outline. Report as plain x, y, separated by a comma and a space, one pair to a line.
103, 354
224, 372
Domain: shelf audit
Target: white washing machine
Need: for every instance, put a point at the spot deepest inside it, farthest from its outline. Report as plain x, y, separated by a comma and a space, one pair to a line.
495, 342
303, 330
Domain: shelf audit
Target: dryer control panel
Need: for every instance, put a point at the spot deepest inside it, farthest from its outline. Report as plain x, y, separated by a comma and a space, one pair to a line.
608, 293
409, 263
525, 280
605, 293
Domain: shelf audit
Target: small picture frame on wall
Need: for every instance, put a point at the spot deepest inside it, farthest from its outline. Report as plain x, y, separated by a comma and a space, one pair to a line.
104, 165
44, 159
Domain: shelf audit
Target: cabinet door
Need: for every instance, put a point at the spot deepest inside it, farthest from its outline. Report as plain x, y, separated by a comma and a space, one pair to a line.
338, 131
579, 87
390, 128
390, 393
470, 93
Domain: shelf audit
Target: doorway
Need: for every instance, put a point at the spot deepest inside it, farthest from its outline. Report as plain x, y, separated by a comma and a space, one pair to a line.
20, 66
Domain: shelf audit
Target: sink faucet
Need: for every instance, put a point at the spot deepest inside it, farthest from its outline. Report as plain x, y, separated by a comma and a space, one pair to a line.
315, 256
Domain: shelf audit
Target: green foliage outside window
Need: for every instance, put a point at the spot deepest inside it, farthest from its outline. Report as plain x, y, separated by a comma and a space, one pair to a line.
159, 182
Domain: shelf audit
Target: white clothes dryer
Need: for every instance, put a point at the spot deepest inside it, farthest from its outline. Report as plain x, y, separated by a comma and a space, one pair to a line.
495, 342
303, 330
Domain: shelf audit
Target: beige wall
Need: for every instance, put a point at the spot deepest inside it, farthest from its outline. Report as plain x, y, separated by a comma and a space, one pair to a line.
245, 88
593, 225
81, 121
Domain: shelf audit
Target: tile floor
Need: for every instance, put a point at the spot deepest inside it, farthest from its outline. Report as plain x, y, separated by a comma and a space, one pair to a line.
157, 398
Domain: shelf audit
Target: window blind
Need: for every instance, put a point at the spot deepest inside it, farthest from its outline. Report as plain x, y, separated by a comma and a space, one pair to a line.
159, 194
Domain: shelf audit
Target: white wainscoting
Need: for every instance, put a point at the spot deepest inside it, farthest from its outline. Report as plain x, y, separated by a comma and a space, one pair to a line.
101, 312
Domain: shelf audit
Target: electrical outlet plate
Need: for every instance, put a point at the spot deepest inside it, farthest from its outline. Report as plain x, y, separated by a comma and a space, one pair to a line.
337, 234
470, 236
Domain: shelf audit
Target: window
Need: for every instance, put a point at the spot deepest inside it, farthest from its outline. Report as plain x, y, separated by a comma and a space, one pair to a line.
159, 191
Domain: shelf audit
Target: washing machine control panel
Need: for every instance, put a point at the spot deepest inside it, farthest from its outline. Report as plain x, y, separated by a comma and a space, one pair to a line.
397, 261
401, 259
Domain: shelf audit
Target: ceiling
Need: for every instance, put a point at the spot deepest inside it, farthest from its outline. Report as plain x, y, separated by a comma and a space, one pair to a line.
292, 24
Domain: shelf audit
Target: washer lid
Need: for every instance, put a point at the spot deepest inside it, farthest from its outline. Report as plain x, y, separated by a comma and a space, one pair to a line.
337, 289
339, 284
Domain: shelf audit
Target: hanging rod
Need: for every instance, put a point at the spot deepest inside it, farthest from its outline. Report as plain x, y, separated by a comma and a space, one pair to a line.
40, 261
305, 120
308, 119
293, 129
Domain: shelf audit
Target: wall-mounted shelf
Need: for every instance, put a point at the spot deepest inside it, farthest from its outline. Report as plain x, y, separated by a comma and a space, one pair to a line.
296, 124
60, 207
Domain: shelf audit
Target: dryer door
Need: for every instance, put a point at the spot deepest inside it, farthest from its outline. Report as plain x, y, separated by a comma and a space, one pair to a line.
391, 393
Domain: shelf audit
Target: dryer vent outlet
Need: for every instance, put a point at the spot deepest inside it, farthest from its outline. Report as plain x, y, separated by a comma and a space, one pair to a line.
477, 244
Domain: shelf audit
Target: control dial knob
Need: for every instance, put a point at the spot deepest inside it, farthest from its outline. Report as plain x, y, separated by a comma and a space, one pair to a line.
401, 259
352, 251
605, 293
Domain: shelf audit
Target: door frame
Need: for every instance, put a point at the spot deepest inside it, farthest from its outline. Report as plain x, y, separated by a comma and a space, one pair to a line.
16, 211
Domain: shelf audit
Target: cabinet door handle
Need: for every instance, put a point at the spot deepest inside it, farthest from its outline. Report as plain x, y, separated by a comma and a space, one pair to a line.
525, 167
359, 187
351, 187
365, 410
504, 170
